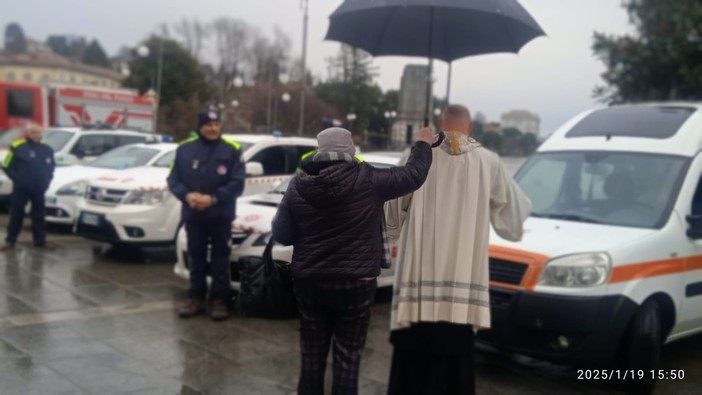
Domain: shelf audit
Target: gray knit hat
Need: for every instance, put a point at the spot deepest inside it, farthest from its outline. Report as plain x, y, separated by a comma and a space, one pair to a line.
336, 140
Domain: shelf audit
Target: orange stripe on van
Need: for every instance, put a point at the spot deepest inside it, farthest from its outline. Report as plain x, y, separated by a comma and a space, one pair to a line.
648, 269
620, 274
694, 263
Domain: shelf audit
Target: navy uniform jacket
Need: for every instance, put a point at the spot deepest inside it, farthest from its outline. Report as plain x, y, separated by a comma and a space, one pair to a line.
210, 168
30, 165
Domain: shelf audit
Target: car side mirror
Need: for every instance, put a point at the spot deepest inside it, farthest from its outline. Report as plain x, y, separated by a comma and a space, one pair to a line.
254, 169
694, 231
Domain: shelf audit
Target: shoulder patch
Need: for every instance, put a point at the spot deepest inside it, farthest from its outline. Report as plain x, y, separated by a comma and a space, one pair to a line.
233, 143
19, 142
189, 140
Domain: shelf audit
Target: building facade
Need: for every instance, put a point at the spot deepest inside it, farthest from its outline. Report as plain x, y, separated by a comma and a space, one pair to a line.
411, 104
49, 68
525, 121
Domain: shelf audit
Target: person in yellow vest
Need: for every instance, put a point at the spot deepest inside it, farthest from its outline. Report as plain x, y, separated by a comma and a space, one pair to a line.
207, 176
30, 165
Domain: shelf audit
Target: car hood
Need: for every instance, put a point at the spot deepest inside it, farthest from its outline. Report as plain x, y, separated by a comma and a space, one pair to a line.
66, 175
134, 178
255, 213
554, 238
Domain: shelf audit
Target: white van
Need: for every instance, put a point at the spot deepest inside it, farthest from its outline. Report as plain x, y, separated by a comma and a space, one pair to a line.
610, 265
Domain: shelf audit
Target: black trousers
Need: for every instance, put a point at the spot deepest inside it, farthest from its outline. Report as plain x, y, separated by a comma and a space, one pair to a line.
333, 313
18, 203
431, 358
216, 233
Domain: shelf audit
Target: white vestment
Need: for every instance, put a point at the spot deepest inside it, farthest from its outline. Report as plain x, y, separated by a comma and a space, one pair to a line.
443, 231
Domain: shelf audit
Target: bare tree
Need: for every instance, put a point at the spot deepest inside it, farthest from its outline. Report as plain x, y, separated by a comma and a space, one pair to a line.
193, 34
232, 38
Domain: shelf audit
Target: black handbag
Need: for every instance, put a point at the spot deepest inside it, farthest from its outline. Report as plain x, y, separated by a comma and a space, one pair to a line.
266, 287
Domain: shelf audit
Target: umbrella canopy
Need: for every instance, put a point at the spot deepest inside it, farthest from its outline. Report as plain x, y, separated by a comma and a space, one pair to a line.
437, 29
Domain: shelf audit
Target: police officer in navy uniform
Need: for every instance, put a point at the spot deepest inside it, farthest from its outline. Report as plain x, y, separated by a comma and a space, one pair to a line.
30, 165
207, 176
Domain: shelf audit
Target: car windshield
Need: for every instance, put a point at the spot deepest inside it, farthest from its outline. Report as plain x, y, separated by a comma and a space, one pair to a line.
9, 136
166, 160
613, 188
57, 139
124, 158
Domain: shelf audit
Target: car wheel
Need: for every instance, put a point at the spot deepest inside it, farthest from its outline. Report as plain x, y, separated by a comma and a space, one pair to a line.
642, 346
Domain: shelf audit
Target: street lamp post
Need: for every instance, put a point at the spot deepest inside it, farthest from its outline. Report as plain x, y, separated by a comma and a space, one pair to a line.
351, 118
390, 116
237, 82
143, 51
285, 97
283, 78
303, 78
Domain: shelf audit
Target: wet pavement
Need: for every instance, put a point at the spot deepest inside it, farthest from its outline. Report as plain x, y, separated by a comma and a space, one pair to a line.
84, 319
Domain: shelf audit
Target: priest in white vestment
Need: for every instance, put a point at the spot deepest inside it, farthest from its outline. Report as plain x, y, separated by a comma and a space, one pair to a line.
441, 284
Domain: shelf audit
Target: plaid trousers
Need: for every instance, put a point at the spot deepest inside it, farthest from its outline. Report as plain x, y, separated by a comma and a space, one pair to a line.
333, 313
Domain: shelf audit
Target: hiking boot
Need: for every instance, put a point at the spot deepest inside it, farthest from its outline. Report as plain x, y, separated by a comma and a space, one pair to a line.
191, 308
219, 311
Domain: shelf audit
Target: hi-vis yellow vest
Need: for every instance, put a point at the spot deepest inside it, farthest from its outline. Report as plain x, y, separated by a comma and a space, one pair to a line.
359, 158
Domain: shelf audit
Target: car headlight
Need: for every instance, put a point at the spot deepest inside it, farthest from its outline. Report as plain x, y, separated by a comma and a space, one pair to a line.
577, 271
76, 188
263, 240
147, 198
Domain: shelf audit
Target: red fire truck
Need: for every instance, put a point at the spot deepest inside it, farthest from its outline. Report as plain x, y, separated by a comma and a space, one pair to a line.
64, 105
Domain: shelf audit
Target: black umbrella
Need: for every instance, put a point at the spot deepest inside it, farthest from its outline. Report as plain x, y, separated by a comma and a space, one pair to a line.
435, 29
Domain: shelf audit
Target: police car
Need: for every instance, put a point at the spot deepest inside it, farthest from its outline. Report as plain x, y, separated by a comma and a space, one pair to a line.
70, 182
134, 206
251, 230
75, 145
610, 265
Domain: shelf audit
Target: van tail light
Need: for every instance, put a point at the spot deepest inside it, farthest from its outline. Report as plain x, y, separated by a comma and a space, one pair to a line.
393, 254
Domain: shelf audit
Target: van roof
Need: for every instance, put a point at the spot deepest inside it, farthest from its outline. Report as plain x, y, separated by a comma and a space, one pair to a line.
665, 128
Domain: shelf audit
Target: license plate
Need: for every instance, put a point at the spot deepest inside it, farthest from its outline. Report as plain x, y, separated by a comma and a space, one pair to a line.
51, 201
90, 219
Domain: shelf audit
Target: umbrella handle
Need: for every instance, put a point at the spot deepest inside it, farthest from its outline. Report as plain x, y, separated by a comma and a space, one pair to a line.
441, 134
442, 137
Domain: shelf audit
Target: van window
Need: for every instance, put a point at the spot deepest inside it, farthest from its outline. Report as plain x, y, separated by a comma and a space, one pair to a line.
641, 121
94, 145
20, 103
614, 188
274, 161
303, 149
697, 199
57, 139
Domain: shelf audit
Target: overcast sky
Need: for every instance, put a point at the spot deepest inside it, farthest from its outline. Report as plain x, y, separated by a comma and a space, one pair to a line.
552, 76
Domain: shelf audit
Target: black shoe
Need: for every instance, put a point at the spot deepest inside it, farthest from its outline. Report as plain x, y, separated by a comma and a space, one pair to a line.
219, 311
8, 247
191, 308
44, 246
